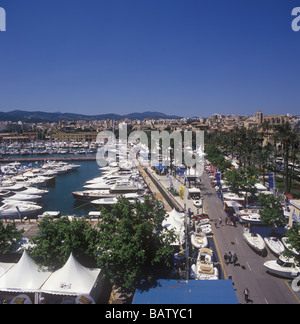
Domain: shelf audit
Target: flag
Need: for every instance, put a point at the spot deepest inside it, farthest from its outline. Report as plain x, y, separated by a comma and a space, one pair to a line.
271, 181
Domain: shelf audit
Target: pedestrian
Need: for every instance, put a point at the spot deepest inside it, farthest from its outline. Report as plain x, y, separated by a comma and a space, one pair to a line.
226, 220
229, 257
226, 258
234, 258
220, 221
246, 294
216, 222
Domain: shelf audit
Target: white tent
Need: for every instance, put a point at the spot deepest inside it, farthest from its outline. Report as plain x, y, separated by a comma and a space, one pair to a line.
175, 221
24, 276
73, 279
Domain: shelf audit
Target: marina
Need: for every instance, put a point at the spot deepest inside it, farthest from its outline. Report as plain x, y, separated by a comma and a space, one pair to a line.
58, 188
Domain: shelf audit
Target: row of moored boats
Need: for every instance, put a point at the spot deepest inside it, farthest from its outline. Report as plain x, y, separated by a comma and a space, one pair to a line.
22, 188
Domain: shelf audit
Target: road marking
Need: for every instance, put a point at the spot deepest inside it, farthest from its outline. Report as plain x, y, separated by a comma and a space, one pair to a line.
220, 258
248, 266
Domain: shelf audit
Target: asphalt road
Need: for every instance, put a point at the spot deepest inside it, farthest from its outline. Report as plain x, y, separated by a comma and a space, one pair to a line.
249, 272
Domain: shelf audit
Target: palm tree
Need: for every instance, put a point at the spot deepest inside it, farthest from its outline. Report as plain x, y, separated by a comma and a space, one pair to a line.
263, 156
288, 138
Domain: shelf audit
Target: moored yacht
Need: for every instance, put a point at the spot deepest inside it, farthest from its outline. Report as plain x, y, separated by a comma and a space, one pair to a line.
283, 267
204, 268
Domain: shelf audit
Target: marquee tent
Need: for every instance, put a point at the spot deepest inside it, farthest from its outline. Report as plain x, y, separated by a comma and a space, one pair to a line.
73, 279
24, 276
175, 221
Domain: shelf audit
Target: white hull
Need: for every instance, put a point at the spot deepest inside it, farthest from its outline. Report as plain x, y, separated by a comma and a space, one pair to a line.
255, 241
204, 268
275, 245
10, 212
199, 241
282, 271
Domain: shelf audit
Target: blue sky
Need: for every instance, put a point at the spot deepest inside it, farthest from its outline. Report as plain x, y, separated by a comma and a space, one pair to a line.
184, 57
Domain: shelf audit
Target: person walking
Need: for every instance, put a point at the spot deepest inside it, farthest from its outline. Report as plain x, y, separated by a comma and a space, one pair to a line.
229, 257
246, 294
220, 221
216, 223
226, 220
234, 258
226, 258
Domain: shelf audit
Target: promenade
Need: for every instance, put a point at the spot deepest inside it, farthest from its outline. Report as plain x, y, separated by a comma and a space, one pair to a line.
249, 271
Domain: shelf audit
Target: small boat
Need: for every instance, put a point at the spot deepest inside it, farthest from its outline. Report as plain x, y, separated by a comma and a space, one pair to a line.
275, 245
206, 228
233, 197
197, 203
52, 214
283, 267
255, 241
250, 216
204, 268
201, 220
199, 240
288, 246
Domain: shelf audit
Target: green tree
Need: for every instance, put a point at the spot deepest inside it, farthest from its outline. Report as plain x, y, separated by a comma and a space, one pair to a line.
294, 239
271, 213
132, 242
57, 239
242, 180
9, 234
288, 138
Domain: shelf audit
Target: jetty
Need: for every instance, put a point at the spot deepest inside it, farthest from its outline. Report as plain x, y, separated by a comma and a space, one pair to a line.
47, 158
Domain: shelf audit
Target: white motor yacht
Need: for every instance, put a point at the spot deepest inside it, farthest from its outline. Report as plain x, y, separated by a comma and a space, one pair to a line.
204, 268
199, 240
229, 196
255, 241
8, 211
88, 195
114, 200
275, 245
250, 216
283, 267
23, 197
52, 214
34, 191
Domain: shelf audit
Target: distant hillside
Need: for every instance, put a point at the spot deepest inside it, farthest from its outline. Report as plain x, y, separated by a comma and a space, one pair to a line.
39, 116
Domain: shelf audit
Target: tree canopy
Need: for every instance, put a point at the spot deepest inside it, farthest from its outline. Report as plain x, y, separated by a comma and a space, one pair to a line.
129, 243
8, 234
271, 213
242, 180
57, 239
132, 242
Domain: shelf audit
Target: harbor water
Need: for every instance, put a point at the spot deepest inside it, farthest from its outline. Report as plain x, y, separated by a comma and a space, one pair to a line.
60, 196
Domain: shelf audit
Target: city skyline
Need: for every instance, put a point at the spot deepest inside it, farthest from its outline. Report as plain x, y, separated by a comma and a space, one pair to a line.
186, 58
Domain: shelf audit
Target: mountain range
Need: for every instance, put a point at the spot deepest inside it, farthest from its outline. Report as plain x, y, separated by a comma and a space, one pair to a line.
39, 116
